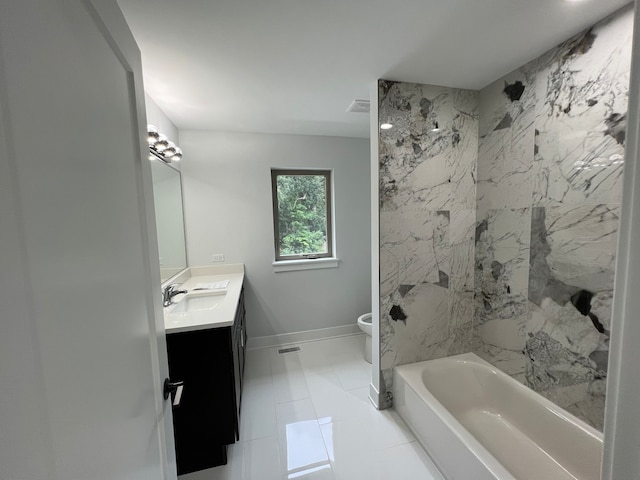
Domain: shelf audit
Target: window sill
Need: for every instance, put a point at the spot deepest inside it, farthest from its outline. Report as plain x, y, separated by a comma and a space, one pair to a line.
293, 265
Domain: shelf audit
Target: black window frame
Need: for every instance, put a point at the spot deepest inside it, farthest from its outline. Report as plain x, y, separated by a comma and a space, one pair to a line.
328, 174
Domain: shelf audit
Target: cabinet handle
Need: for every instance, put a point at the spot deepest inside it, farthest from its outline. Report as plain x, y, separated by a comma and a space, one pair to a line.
175, 388
178, 397
241, 338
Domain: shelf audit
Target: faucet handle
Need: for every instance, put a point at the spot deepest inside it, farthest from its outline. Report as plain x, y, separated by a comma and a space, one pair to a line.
169, 292
166, 293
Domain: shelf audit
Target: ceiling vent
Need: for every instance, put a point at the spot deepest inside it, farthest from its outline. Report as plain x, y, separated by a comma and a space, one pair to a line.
359, 106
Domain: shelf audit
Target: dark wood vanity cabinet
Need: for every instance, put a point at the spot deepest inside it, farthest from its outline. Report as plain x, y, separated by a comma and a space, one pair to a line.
210, 362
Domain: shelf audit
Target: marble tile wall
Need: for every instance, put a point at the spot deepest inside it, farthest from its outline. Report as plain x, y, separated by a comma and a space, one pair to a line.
427, 223
548, 198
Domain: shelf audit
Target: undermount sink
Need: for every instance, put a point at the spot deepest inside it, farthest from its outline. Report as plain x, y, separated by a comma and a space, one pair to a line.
199, 301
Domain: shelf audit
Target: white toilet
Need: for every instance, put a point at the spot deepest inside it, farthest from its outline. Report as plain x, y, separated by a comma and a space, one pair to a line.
364, 322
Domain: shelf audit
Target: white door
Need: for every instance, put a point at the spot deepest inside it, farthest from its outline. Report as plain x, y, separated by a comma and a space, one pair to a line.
80, 366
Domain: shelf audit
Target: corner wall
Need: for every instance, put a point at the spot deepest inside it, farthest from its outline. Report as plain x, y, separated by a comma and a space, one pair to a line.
533, 296
549, 190
155, 116
427, 201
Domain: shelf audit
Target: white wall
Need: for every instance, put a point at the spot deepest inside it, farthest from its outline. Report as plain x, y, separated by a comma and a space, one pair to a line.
227, 189
155, 116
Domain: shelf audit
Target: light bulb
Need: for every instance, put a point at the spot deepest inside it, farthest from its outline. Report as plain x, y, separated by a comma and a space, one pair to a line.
152, 133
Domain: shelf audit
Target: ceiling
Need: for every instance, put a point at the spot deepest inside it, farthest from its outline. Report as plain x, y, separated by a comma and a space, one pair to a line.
294, 66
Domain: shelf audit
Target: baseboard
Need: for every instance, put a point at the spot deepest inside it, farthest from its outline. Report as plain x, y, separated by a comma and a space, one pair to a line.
300, 337
374, 396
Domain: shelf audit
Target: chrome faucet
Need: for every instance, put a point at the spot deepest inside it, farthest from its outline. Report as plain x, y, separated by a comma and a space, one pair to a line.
169, 292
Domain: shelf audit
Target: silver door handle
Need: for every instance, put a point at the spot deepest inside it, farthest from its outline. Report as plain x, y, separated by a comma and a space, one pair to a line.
174, 388
178, 397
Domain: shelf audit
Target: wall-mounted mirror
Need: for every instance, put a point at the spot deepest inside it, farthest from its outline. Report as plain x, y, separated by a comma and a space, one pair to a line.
167, 194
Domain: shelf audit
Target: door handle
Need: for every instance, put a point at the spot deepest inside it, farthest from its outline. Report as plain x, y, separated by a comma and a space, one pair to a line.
174, 388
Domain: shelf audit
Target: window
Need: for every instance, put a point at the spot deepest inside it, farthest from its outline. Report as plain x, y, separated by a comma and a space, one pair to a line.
302, 214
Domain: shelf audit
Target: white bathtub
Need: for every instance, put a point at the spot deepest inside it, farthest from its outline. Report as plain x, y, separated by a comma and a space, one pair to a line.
478, 423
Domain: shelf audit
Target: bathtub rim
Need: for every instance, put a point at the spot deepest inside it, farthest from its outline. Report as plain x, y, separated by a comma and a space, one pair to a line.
411, 376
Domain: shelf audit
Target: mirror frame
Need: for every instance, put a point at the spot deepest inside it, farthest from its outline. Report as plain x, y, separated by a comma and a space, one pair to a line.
175, 270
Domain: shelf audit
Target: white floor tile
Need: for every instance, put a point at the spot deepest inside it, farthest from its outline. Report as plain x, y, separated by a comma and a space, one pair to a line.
323, 472
307, 415
289, 382
252, 460
222, 472
257, 367
295, 411
403, 462
314, 361
351, 437
302, 449
352, 369
360, 467
256, 459
331, 401
408, 462
258, 411
361, 397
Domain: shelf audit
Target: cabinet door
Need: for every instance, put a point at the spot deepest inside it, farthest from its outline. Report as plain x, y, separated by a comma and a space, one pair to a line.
238, 347
206, 418
243, 341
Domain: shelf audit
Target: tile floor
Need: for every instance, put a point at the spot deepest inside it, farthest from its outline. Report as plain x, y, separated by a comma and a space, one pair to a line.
307, 415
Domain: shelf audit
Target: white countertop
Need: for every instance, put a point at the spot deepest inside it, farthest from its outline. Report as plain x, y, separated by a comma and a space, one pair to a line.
223, 315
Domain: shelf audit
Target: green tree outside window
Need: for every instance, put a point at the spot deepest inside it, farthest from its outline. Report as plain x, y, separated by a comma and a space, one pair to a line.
301, 213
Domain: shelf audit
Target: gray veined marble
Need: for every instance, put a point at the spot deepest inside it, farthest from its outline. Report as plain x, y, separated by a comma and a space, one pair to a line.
570, 293
461, 261
582, 90
501, 342
386, 388
415, 249
572, 248
551, 142
584, 400
417, 165
506, 145
427, 310
498, 232
571, 273
427, 222
502, 264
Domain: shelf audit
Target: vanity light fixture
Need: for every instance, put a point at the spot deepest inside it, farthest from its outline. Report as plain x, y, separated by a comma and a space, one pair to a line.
386, 126
161, 147
152, 134
170, 150
161, 143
